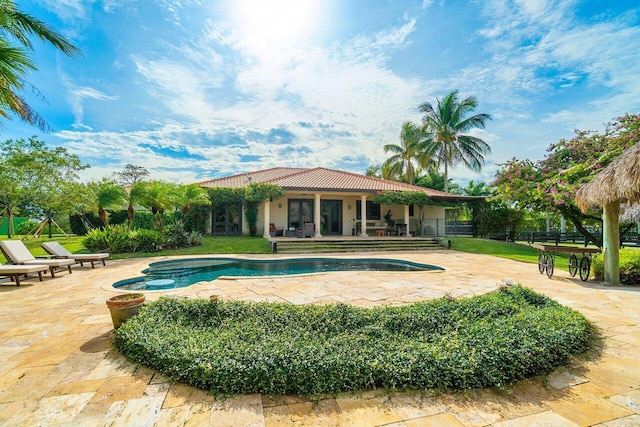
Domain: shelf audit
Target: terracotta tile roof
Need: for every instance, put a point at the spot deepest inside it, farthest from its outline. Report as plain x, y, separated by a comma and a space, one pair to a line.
320, 179
244, 179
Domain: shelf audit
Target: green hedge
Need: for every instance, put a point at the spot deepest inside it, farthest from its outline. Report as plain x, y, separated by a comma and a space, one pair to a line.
242, 347
629, 266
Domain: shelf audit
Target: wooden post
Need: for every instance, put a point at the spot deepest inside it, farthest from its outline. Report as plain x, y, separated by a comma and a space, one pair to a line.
611, 242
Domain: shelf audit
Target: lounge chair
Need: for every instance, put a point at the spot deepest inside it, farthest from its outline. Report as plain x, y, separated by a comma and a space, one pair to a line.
17, 253
308, 230
15, 271
59, 251
275, 231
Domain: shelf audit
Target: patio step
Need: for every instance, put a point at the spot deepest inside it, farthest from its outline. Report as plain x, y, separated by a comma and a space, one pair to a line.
353, 245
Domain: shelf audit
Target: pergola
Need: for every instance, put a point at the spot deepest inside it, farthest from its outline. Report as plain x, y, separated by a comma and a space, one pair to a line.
618, 182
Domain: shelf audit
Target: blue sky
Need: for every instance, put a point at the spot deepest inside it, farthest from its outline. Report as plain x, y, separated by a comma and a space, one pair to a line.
196, 89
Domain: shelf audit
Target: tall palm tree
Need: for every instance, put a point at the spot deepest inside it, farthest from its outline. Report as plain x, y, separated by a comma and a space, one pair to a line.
16, 27
410, 156
448, 123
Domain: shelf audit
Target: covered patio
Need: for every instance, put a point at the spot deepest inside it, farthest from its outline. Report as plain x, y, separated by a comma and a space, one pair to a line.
337, 203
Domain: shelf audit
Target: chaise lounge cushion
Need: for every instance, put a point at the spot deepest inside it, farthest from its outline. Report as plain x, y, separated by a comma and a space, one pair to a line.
59, 251
15, 271
16, 252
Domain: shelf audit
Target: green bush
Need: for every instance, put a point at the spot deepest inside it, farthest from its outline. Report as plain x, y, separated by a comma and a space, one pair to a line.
629, 266
243, 347
145, 241
143, 220
26, 227
112, 238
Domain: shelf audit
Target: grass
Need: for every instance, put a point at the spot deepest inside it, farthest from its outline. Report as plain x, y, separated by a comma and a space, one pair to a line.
210, 245
514, 251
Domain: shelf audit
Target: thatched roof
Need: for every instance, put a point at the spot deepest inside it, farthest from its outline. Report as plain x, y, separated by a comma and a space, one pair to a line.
618, 181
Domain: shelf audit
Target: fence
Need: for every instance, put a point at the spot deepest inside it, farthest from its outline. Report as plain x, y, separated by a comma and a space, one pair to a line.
441, 227
557, 237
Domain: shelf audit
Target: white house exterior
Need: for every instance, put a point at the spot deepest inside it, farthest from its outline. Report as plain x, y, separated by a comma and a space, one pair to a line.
342, 201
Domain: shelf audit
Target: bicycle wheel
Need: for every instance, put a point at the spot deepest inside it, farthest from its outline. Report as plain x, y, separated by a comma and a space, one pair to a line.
573, 265
541, 262
585, 267
549, 267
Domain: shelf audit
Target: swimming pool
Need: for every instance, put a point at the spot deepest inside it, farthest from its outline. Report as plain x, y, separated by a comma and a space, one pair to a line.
184, 272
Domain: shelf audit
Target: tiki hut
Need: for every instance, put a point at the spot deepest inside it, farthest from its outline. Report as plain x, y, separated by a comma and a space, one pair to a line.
618, 182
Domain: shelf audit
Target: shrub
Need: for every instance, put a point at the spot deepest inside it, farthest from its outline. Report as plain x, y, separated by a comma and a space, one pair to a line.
177, 236
272, 348
26, 227
143, 220
112, 238
145, 241
629, 266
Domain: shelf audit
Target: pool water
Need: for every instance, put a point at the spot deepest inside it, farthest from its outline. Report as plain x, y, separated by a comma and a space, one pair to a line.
180, 273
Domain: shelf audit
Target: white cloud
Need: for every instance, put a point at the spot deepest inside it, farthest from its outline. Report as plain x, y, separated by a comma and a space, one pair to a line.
77, 94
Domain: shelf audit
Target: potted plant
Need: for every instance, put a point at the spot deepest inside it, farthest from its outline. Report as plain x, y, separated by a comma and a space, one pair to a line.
124, 306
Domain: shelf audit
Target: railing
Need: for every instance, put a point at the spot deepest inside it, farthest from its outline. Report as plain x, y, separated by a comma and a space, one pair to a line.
557, 237
441, 227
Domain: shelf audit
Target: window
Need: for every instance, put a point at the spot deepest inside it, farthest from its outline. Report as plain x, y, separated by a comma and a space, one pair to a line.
373, 211
411, 212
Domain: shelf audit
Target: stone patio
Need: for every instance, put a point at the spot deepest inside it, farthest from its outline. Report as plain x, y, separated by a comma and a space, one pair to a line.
58, 365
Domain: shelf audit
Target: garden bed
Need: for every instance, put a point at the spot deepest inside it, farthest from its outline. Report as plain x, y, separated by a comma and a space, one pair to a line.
271, 348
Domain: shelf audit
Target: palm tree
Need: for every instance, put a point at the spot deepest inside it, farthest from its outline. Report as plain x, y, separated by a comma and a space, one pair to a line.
187, 195
109, 195
409, 157
135, 193
157, 197
15, 62
447, 123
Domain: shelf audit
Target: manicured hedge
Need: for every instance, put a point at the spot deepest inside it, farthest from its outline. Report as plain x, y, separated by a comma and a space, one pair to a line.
242, 347
629, 266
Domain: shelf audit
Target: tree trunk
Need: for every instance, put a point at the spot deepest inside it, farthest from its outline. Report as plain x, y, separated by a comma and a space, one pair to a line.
611, 242
130, 214
578, 224
102, 214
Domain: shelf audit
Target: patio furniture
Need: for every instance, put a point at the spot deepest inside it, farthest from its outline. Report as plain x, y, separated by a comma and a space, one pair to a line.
275, 231
58, 251
17, 253
307, 231
15, 271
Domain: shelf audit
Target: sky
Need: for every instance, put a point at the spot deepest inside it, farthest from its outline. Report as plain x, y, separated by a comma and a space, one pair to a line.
196, 89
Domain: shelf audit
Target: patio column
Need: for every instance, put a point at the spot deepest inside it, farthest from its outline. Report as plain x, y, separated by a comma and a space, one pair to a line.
316, 215
363, 216
267, 219
406, 219
611, 242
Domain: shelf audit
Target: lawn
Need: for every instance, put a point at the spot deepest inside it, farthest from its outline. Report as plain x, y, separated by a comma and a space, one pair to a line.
514, 251
210, 245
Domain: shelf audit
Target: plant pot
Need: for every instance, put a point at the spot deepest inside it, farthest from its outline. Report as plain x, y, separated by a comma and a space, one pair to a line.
124, 306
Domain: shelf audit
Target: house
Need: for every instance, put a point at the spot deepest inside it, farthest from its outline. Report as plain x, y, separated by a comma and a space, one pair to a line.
339, 203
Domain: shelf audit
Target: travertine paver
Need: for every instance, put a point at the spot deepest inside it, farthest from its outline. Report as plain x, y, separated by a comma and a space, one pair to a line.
59, 366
